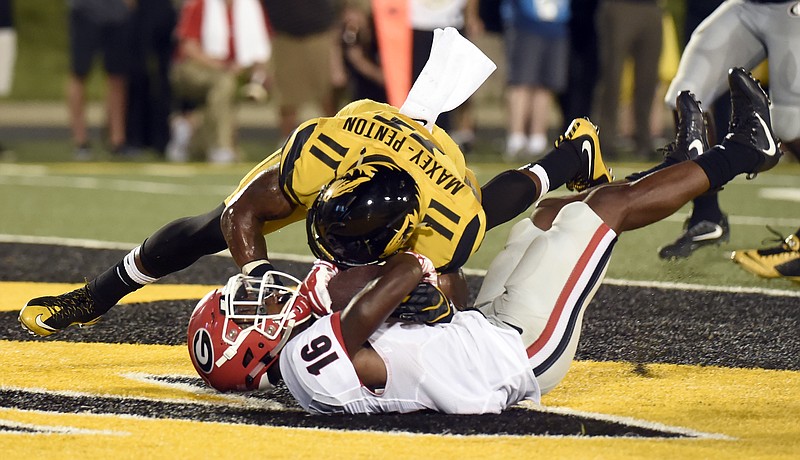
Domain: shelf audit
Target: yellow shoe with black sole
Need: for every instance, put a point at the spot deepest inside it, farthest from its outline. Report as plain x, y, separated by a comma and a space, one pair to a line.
44, 316
583, 134
782, 261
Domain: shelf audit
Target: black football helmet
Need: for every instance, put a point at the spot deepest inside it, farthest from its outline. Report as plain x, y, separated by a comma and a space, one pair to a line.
364, 216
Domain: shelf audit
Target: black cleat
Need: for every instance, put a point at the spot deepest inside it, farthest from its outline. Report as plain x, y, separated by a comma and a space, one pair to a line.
751, 124
44, 316
695, 237
691, 139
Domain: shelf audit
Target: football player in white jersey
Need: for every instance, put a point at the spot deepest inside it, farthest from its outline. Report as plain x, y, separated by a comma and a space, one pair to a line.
515, 344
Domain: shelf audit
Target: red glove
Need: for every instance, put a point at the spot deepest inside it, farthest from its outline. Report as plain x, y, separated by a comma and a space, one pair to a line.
315, 287
429, 274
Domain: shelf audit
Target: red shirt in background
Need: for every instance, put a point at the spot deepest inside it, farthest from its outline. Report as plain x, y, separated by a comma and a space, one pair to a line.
190, 24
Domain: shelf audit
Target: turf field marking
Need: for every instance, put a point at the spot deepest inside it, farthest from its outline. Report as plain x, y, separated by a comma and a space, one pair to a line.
95, 244
784, 193
118, 185
702, 287
629, 421
549, 422
12, 427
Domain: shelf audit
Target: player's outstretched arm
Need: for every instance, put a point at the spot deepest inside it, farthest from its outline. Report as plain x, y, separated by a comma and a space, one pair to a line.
244, 217
370, 308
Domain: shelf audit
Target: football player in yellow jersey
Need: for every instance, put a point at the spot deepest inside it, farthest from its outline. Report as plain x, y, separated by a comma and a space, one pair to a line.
369, 135
449, 224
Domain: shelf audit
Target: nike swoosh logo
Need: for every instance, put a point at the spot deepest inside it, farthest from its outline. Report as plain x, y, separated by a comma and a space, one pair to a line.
709, 236
41, 324
586, 147
771, 150
696, 145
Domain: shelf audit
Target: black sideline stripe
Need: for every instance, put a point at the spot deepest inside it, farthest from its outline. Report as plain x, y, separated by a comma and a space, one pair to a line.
516, 421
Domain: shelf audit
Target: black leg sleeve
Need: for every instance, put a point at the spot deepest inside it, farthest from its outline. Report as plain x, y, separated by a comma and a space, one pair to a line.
506, 196
182, 242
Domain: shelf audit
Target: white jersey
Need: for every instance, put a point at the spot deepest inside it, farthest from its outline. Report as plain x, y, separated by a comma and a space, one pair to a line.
467, 366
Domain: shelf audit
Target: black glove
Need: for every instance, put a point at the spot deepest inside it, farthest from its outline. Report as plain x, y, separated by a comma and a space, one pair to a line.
426, 304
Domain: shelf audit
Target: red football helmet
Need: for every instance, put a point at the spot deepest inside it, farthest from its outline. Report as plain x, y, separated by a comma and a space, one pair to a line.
232, 338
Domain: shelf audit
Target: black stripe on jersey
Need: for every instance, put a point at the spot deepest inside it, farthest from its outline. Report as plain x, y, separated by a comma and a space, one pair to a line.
290, 156
464, 248
323, 157
335, 146
445, 211
428, 145
575, 313
437, 227
329, 161
395, 123
379, 157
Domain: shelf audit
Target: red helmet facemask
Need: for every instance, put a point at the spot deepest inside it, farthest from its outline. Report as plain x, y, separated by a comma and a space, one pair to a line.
232, 338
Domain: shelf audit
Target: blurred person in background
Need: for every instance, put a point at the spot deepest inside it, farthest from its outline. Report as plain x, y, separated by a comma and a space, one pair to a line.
307, 61
738, 33
360, 53
219, 42
8, 51
99, 26
8, 47
576, 100
425, 16
628, 28
536, 35
149, 88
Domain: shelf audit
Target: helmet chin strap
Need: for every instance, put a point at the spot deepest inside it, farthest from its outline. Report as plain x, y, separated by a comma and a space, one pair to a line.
231, 351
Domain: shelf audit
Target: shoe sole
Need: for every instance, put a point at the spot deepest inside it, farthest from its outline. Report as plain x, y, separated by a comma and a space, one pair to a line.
37, 334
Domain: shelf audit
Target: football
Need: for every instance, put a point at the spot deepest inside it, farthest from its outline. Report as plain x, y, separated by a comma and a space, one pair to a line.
347, 283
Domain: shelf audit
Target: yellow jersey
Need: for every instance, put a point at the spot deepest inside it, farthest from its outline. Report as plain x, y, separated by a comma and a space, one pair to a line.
321, 149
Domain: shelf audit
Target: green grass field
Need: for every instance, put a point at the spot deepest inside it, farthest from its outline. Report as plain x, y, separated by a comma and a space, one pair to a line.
126, 201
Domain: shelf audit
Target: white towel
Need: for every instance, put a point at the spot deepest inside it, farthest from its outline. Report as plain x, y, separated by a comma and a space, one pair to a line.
456, 68
250, 39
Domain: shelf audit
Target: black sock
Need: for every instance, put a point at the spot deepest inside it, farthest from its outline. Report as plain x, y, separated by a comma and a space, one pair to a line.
722, 163
111, 286
706, 207
562, 164
506, 196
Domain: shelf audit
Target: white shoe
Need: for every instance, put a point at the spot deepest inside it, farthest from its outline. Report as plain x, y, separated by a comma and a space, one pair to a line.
515, 144
221, 156
537, 143
181, 136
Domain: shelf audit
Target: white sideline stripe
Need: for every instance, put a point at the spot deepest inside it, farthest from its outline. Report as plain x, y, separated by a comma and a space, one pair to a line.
702, 287
120, 185
95, 244
628, 421
792, 222
50, 429
775, 193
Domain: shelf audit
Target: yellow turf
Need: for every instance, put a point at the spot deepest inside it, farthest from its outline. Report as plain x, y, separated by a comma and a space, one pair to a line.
757, 409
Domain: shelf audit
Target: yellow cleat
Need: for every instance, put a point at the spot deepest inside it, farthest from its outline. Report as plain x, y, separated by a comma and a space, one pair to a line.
582, 133
44, 316
782, 261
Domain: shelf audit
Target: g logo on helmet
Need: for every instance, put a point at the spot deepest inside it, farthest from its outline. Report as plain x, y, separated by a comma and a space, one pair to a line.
203, 351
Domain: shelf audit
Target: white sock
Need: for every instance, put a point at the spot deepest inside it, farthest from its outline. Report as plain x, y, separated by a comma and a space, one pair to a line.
544, 179
133, 271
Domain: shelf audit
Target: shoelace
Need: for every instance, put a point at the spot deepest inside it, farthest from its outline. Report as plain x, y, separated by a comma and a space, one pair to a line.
71, 307
784, 244
668, 149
